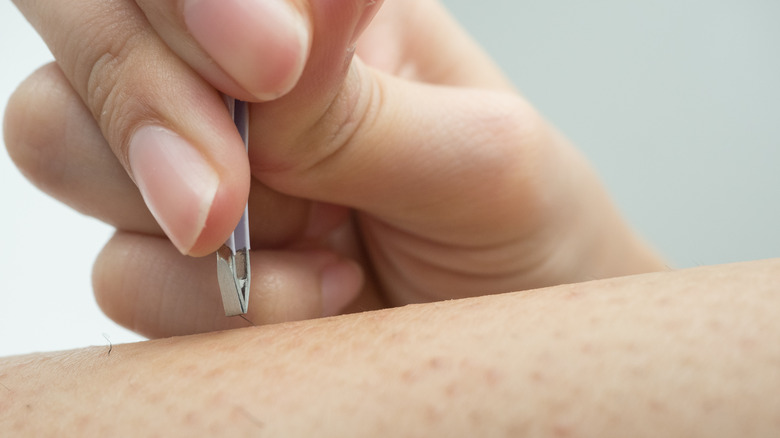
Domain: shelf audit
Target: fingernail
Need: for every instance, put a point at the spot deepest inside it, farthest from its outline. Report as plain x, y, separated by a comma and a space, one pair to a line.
261, 44
176, 182
341, 283
370, 9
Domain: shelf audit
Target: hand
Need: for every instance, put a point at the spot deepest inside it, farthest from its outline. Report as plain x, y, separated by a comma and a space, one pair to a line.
411, 172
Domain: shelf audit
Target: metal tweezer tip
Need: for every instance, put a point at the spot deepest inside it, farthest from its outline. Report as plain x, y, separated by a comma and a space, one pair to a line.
234, 274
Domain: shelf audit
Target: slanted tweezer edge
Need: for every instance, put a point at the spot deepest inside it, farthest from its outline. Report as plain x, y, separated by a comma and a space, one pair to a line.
233, 273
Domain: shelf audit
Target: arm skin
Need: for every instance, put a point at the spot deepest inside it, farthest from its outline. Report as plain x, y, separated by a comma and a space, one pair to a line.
688, 353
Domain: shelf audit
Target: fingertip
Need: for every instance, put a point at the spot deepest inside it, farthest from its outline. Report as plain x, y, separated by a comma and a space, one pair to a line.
22, 129
261, 44
177, 181
99, 283
341, 283
297, 285
112, 281
226, 209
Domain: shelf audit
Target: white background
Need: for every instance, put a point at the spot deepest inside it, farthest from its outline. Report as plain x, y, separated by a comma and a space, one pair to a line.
46, 249
677, 104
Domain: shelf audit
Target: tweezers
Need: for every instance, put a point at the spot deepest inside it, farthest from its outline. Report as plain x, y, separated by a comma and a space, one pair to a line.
233, 270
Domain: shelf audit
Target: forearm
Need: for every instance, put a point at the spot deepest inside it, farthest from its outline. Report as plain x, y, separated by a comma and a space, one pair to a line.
691, 353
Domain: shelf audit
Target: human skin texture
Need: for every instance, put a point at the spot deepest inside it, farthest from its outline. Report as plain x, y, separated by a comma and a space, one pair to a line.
687, 353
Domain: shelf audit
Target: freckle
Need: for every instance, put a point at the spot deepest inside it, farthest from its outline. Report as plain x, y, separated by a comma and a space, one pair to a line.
492, 377
710, 405
561, 430
190, 418
476, 418
747, 343
451, 389
637, 371
409, 376
537, 377
656, 406
435, 363
432, 414
81, 422
154, 397
594, 320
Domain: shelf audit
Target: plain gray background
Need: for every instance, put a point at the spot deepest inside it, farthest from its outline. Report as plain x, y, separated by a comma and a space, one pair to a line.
675, 103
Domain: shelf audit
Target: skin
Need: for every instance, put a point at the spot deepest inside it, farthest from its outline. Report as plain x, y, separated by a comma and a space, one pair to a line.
677, 354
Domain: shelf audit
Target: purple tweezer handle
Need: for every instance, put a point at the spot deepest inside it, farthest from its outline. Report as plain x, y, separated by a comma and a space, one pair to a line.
240, 237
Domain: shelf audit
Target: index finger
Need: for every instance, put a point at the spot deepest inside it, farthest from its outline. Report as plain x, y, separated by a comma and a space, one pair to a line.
167, 126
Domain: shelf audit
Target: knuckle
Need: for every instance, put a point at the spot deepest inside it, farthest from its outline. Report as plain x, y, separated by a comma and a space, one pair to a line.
509, 120
334, 135
106, 96
111, 76
515, 132
351, 112
529, 159
32, 128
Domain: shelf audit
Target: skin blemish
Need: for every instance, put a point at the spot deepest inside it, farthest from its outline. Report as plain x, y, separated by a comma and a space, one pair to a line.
537, 376
451, 390
435, 363
587, 348
492, 377
656, 406
562, 430
433, 414
409, 376
572, 294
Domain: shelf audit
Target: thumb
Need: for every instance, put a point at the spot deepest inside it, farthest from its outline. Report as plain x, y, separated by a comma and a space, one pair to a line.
409, 153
